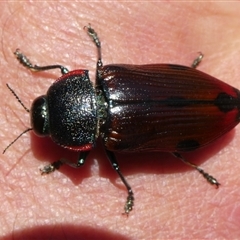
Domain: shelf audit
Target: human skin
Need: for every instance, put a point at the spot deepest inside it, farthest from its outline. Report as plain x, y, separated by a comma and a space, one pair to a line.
172, 201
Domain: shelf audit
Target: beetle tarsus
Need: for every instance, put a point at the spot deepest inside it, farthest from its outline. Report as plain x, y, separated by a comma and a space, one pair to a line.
129, 203
91, 32
197, 60
208, 177
51, 167
23, 59
35, 68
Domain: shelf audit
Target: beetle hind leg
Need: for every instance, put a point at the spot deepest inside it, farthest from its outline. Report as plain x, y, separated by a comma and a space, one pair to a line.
208, 177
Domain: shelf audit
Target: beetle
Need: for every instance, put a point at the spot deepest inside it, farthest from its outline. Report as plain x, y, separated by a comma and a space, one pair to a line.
132, 108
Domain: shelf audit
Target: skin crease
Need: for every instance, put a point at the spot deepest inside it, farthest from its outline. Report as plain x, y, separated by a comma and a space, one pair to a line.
172, 201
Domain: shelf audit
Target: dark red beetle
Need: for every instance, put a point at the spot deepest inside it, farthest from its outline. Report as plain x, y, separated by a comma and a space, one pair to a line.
133, 108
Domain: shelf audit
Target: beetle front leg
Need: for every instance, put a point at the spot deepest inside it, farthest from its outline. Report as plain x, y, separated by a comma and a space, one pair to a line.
56, 165
35, 68
130, 199
208, 177
197, 61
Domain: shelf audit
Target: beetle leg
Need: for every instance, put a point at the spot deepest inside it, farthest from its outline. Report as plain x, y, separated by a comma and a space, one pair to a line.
93, 35
35, 68
130, 199
52, 167
197, 61
57, 164
208, 177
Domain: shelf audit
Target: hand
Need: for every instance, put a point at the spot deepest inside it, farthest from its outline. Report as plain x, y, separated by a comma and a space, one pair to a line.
172, 201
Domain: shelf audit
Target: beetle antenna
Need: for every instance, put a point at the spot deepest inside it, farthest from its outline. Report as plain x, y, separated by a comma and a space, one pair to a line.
16, 96
27, 130
26, 109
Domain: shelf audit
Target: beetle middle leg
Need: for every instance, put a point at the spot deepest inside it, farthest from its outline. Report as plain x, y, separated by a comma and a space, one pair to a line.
208, 177
197, 60
130, 199
93, 35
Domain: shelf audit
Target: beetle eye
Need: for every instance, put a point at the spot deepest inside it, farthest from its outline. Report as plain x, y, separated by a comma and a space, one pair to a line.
40, 117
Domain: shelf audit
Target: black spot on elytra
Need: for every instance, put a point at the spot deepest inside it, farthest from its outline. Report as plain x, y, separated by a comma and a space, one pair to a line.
225, 102
187, 145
